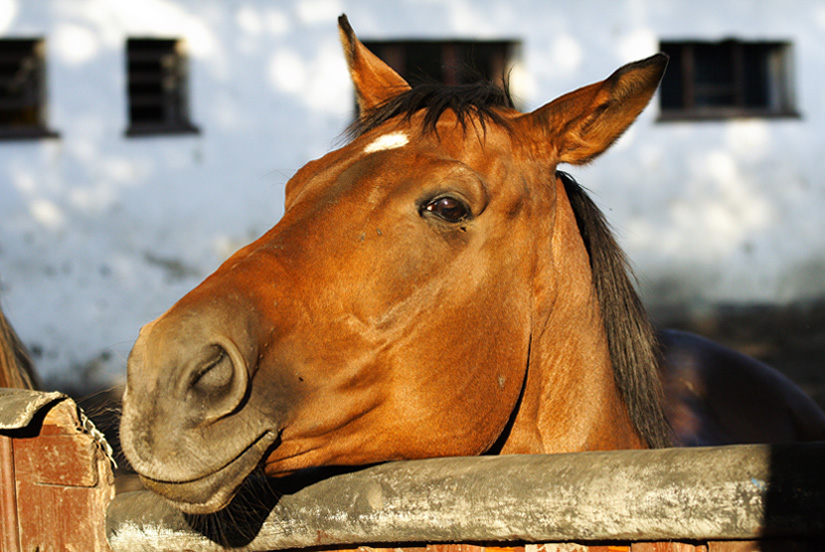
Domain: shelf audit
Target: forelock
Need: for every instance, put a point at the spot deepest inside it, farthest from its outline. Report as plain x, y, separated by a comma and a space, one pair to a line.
479, 101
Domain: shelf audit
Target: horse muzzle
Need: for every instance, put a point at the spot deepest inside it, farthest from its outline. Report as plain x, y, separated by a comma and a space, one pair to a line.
188, 428
213, 492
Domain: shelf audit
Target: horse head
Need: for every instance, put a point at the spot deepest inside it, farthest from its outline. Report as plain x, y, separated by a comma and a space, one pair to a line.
428, 292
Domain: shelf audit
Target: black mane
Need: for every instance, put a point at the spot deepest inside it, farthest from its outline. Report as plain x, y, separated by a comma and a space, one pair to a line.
631, 338
479, 100
630, 335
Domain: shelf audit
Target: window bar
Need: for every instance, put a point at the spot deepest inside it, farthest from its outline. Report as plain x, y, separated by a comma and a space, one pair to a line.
449, 64
687, 77
738, 62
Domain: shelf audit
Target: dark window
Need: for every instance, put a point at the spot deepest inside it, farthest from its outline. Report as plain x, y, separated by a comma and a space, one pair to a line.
157, 86
22, 89
718, 80
448, 61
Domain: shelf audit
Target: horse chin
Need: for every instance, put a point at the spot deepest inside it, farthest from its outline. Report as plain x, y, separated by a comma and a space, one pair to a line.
213, 492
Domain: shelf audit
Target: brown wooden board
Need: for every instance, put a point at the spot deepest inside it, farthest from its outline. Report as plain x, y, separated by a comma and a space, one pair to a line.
56, 481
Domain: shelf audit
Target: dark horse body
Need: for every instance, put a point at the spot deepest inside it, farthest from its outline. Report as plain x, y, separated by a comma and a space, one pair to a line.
717, 396
434, 288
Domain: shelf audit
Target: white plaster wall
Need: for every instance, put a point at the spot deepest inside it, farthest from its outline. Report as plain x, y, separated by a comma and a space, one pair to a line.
100, 233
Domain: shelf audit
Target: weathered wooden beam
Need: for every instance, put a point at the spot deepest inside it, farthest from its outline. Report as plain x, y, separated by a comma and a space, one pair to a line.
736, 492
55, 474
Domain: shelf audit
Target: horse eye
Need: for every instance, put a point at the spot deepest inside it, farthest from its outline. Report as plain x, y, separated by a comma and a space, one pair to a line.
448, 208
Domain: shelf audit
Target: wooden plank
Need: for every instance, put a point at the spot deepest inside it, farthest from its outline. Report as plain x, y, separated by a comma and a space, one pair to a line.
562, 547
57, 460
768, 545
454, 548
64, 485
670, 546
54, 517
765, 545
8, 498
734, 546
57, 480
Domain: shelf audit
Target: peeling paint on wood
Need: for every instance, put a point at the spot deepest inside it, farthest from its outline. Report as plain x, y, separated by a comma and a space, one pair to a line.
56, 477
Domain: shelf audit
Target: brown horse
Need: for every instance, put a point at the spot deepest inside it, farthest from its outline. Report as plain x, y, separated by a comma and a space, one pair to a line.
434, 288
16, 368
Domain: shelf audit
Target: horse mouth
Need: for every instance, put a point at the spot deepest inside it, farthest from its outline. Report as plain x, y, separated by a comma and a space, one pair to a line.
213, 492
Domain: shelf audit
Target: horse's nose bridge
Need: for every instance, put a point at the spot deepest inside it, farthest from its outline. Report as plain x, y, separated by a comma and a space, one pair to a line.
282, 272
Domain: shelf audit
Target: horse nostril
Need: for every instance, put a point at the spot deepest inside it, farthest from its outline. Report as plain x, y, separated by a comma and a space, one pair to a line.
218, 382
216, 374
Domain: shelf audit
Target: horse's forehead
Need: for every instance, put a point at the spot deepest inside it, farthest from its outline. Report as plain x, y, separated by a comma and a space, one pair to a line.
470, 142
407, 151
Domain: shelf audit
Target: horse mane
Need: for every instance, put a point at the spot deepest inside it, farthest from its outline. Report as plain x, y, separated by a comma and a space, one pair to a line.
634, 350
16, 367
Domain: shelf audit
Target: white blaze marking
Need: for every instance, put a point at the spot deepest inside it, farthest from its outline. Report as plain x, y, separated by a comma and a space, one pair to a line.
388, 141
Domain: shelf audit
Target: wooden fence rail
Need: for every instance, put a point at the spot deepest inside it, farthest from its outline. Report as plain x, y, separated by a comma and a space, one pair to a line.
704, 494
743, 498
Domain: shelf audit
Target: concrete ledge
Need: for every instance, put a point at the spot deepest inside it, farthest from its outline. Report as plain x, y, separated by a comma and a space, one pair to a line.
736, 492
18, 407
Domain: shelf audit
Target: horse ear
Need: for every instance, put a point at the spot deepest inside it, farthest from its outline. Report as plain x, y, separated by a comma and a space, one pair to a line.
375, 82
584, 123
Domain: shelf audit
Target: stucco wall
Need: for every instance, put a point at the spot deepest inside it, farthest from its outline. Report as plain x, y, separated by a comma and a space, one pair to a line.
100, 233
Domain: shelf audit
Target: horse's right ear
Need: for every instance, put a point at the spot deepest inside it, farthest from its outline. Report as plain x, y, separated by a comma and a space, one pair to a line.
375, 82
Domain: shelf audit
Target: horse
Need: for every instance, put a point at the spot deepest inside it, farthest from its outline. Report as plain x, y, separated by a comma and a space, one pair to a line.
719, 396
435, 287
16, 367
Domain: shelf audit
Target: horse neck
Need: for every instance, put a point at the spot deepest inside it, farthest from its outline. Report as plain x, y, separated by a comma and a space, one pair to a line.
570, 400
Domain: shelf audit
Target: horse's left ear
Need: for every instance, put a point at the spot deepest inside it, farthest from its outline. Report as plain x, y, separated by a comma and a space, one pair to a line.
375, 82
582, 124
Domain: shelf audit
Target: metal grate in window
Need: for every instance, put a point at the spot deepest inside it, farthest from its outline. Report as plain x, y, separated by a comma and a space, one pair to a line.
732, 78
449, 61
157, 87
22, 89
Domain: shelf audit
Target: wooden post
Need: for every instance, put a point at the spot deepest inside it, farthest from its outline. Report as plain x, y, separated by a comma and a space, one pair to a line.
56, 475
